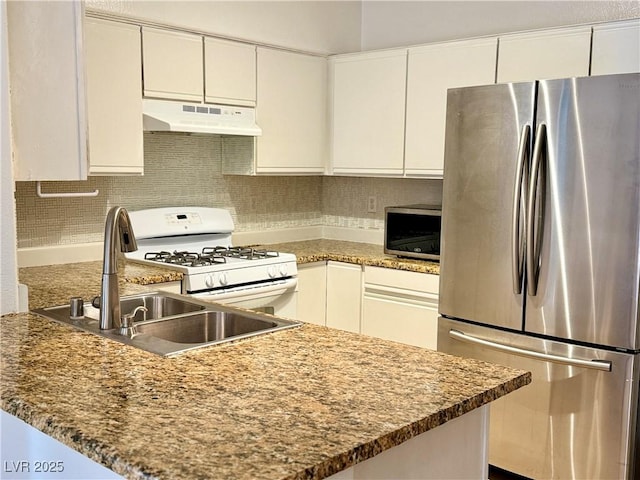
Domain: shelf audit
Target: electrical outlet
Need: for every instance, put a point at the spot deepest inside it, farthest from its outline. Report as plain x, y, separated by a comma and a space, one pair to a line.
371, 205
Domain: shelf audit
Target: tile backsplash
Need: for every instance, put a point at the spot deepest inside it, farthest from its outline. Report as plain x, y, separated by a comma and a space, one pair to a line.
185, 170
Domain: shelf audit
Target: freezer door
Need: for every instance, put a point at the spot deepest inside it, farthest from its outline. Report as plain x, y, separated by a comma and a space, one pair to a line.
584, 240
487, 139
574, 421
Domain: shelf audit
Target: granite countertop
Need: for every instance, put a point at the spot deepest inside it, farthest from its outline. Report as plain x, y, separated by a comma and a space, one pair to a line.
49, 281
54, 284
308, 251
301, 403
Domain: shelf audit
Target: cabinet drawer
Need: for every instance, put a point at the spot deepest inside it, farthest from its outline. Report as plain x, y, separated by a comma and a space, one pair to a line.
422, 282
400, 322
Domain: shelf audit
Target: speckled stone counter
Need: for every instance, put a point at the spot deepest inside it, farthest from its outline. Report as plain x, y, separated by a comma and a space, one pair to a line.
54, 284
308, 251
299, 404
303, 403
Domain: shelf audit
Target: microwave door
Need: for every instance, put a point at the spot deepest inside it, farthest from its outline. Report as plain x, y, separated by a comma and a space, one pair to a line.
421, 244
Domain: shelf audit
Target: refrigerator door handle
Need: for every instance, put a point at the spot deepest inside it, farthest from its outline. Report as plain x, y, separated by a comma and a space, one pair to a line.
519, 210
601, 365
533, 230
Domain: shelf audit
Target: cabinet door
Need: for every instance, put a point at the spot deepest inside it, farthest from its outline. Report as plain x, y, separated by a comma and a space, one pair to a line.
401, 306
344, 296
114, 97
395, 318
616, 48
431, 71
48, 103
557, 53
292, 112
369, 113
172, 64
229, 72
312, 293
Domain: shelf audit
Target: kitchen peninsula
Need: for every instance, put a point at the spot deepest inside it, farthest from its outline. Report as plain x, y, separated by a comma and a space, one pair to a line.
305, 403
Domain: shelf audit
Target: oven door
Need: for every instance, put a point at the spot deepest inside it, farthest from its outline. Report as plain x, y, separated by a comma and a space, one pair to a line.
277, 297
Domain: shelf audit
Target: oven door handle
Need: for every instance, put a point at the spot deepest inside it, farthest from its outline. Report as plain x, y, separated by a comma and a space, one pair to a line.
604, 366
275, 288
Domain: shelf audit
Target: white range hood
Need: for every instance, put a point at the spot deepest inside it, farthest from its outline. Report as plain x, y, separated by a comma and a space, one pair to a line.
177, 116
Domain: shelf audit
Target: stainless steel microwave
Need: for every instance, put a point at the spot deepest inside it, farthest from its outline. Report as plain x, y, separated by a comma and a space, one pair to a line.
413, 231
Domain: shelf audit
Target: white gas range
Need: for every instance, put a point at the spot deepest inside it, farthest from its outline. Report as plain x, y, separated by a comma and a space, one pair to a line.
197, 242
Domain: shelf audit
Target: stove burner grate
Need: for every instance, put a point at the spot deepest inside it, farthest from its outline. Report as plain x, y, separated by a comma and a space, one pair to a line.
249, 253
209, 256
185, 258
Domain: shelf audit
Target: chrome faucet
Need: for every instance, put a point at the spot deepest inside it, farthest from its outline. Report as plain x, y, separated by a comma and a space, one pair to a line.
118, 233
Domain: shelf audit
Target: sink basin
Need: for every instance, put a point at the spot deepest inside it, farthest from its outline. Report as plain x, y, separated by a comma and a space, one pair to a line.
173, 323
205, 327
159, 305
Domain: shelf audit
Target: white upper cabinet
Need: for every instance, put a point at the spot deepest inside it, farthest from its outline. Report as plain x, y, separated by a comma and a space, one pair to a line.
547, 54
75, 93
432, 69
114, 97
172, 65
229, 72
368, 113
48, 105
616, 48
291, 109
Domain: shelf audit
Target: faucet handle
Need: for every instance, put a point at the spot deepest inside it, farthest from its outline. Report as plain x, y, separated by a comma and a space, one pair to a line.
126, 322
95, 302
127, 319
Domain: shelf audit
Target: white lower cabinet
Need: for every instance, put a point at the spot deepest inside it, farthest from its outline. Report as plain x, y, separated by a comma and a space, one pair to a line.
401, 306
312, 293
344, 296
27, 453
386, 303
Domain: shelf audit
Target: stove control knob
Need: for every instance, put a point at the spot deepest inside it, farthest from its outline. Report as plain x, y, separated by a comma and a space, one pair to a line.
284, 270
210, 280
223, 278
271, 270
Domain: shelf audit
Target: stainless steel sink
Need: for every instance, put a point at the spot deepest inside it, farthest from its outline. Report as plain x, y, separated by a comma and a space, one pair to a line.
173, 323
205, 327
158, 305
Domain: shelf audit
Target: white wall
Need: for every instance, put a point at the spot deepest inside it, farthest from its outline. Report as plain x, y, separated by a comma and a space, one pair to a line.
388, 24
312, 26
8, 268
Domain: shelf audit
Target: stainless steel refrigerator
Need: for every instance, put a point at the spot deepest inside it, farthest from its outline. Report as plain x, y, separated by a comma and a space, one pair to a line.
540, 266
